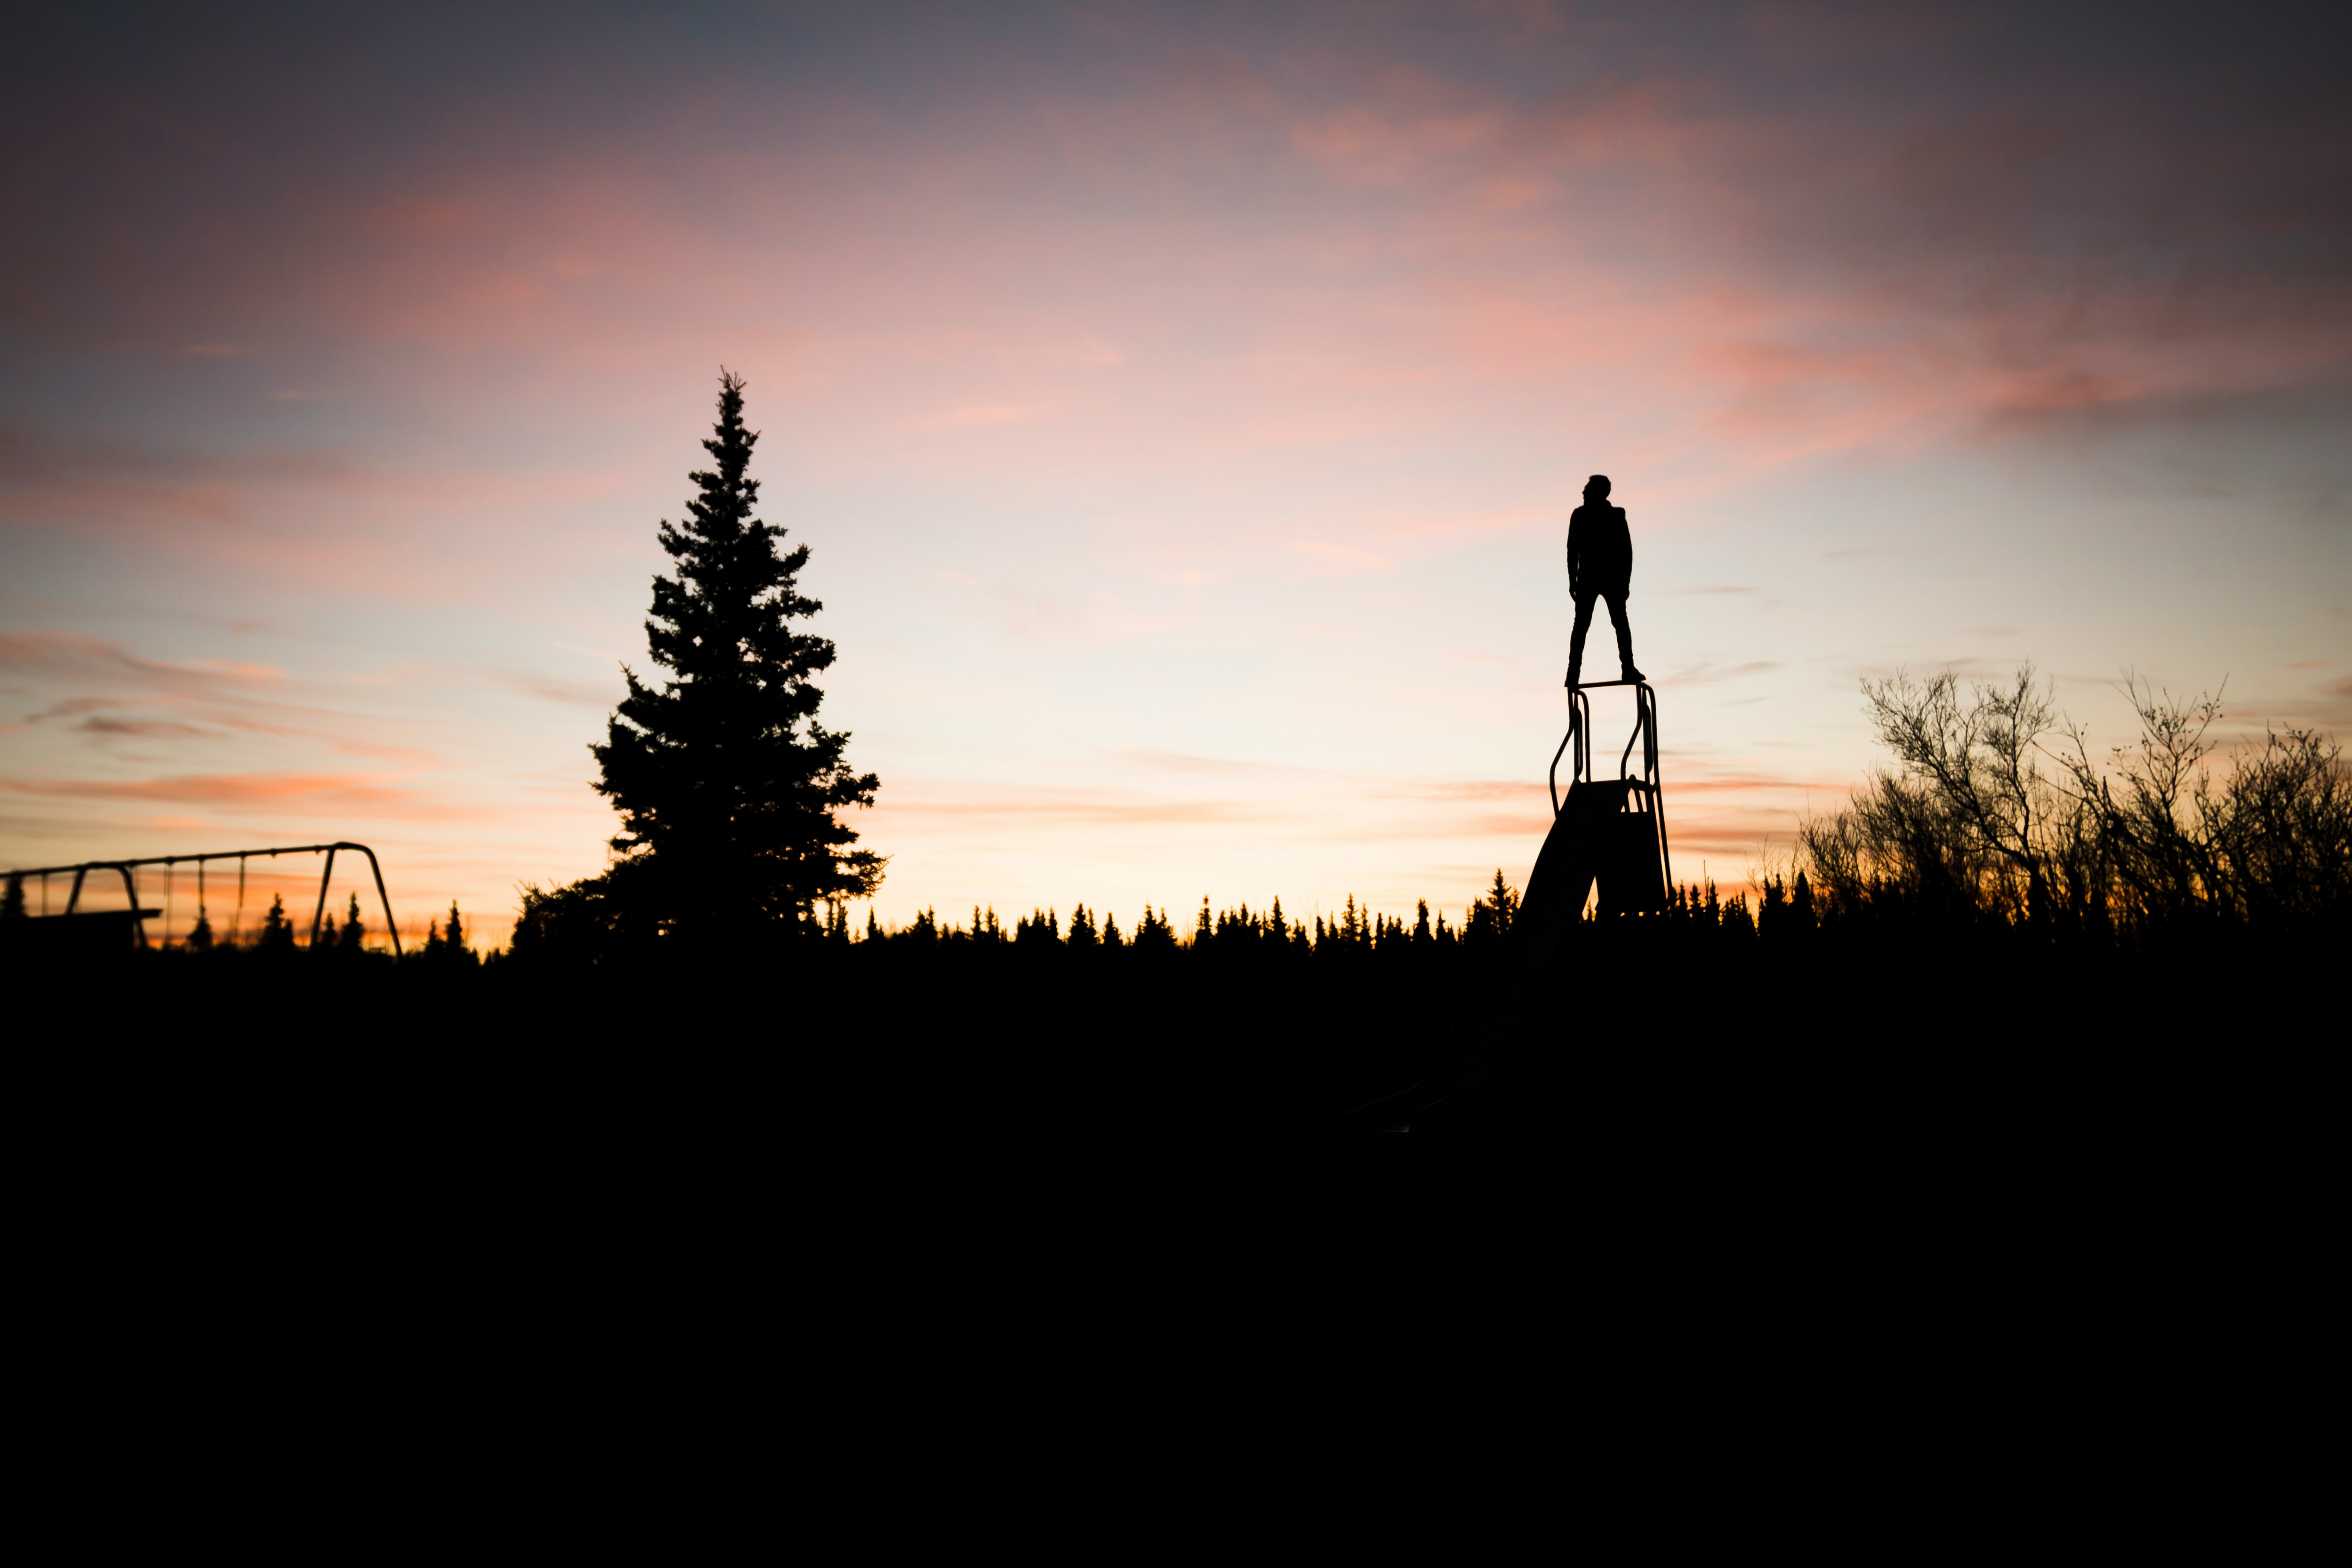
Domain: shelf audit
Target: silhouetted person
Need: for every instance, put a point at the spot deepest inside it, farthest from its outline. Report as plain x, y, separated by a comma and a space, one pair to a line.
1599, 565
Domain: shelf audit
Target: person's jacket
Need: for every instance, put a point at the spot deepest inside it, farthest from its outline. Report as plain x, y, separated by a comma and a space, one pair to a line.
1600, 551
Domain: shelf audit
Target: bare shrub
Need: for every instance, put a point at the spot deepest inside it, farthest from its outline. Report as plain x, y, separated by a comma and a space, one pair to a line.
1962, 827
2269, 843
1969, 826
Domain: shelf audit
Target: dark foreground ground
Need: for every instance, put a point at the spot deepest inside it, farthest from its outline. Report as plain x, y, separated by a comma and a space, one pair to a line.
2036, 1205
1664, 1050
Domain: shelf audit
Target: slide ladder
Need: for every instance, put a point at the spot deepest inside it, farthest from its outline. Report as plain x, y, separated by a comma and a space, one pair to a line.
1611, 832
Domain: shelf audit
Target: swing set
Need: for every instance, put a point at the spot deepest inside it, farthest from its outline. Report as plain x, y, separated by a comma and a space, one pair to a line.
136, 919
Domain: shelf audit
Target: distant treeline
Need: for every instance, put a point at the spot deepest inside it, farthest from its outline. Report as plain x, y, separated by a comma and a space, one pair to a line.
542, 936
1352, 930
566, 926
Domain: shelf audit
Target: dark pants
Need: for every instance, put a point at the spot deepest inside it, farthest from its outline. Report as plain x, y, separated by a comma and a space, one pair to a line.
1584, 624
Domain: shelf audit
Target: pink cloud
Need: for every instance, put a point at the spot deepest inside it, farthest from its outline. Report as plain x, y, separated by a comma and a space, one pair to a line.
144, 729
75, 655
301, 793
1073, 806
1342, 557
981, 415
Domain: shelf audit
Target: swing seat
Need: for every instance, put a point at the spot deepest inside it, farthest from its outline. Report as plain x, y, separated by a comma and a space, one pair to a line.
92, 933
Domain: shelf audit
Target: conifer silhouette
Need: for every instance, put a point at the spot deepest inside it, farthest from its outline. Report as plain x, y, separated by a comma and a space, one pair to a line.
727, 786
1489, 919
453, 938
277, 930
1153, 934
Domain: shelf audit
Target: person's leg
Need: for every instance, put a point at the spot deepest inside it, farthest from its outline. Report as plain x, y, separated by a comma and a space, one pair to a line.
1624, 636
1576, 637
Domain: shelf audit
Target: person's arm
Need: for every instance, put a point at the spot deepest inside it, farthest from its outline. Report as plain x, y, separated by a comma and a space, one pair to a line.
1626, 529
1575, 577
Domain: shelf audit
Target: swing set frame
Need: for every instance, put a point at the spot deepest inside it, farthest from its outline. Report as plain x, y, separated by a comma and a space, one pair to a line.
126, 870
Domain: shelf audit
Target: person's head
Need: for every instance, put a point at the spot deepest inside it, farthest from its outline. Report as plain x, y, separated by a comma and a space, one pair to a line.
1597, 487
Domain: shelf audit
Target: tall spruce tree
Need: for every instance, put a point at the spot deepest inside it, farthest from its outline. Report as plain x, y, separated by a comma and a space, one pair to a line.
726, 784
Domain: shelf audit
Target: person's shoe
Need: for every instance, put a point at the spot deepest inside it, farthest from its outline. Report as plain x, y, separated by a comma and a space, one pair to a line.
1630, 673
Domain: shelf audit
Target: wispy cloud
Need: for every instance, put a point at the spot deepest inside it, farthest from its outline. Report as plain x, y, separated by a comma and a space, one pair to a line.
144, 729
1703, 673
570, 693
1093, 807
974, 415
75, 655
1344, 558
301, 795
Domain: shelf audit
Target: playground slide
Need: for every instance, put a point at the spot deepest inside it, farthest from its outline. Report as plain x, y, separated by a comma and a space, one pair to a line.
1549, 915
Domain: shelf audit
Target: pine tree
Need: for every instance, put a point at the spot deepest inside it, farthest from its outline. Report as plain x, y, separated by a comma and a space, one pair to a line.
353, 931
277, 930
11, 903
1504, 900
453, 938
1489, 919
727, 786
200, 935
1153, 934
1736, 920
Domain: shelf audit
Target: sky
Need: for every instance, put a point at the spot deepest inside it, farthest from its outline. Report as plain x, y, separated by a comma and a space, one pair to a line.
1183, 407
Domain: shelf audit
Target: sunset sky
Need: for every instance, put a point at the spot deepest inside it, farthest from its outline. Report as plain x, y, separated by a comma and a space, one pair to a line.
1183, 406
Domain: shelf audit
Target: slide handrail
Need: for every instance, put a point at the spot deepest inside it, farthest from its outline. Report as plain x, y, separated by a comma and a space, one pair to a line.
1645, 732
